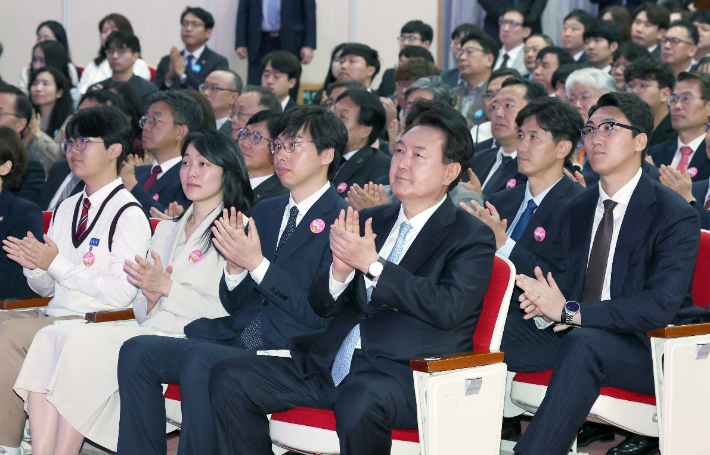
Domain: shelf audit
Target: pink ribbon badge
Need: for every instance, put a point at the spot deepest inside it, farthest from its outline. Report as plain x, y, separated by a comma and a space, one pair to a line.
342, 187
539, 234
318, 225
693, 171
155, 197
511, 183
88, 259
195, 256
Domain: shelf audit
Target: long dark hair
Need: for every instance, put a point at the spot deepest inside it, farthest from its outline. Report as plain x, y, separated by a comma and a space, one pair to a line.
121, 22
54, 55
221, 151
58, 31
63, 106
331, 77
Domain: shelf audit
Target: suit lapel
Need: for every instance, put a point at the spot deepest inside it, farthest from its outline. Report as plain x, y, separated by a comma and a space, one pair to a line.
435, 230
581, 224
351, 166
264, 187
700, 159
166, 179
551, 202
382, 225
269, 234
194, 242
665, 156
508, 208
484, 165
506, 172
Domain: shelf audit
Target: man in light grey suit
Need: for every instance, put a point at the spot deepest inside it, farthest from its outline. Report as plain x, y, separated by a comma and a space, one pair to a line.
222, 88
515, 27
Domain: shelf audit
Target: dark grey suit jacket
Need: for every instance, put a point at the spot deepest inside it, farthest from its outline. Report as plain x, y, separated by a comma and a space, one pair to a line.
209, 61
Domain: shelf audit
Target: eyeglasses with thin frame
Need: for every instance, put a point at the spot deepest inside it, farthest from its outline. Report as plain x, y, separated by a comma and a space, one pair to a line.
153, 121
468, 51
276, 147
254, 138
204, 87
2, 112
707, 128
409, 39
512, 24
684, 99
68, 144
238, 115
193, 24
582, 99
604, 129
673, 41
121, 51
630, 87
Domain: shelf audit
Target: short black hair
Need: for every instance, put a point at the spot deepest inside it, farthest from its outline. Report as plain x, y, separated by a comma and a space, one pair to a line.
562, 73
106, 122
657, 15
13, 150
185, 110
417, 26
636, 110
609, 30
124, 40
326, 130
702, 78
580, 16
458, 144
533, 90
284, 62
270, 117
689, 27
105, 98
488, 44
201, 14
631, 51
556, 117
416, 52
465, 29
348, 84
563, 56
372, 58
23, 105
503, 72
371, 111
650, 69
701, 15
524, 11
544, 37
267, 99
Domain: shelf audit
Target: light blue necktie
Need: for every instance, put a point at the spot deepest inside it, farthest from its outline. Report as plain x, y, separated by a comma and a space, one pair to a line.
344, 357
523, 220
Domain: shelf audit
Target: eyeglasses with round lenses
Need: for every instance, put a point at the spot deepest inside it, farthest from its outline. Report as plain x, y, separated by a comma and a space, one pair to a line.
288, 146
78, 144
254, 138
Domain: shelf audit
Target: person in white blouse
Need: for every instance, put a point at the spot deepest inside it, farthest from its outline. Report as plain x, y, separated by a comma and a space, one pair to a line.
98, 69
49, 31
68, 380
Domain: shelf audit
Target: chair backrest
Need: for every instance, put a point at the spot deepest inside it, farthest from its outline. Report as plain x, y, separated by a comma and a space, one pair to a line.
47, 220
701, 282
154, 222
491, 322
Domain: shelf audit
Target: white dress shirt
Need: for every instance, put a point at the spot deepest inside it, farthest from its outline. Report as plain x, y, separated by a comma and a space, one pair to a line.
707, 195
165, 167
256, 181
221, 121
284, 103
258, 274
578, 55
496, 165
512, 55
694, 144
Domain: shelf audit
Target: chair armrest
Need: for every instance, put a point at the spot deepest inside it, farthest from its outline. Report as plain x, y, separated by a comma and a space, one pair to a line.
24, 302
685, 330
111, 315
456, 361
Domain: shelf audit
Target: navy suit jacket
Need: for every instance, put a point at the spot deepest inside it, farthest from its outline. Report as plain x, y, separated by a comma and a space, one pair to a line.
366, 165
298, 26
269, 188
282, 296
226, 129
426, 305
663, 154
32, 182
17, 216
653, 265
507, 175
57, 173
168, 188
209, 61
663, 132
700, 189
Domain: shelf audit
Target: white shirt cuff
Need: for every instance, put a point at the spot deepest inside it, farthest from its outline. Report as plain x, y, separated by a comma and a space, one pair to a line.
542, 324
30, 273
336, 287
260, 272
59, 268
233, 281
507, 248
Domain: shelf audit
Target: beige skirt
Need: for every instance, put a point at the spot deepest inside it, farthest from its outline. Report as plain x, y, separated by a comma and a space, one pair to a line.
75, 365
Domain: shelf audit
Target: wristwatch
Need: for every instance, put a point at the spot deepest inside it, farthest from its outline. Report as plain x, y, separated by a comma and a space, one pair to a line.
568, 311
375, 269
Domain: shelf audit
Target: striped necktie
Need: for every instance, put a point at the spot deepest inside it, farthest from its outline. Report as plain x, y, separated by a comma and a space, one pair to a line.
84, 218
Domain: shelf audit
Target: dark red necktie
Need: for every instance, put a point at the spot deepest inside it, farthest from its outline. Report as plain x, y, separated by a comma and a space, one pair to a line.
84, 218
598, 258
153, 177
707, 204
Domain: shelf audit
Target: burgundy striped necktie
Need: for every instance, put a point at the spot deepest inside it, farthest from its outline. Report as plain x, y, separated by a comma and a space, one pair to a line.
84, 218
153, 178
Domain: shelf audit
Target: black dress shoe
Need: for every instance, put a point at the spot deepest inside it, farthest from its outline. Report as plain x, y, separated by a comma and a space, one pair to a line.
511, 429
636, 445
591, 432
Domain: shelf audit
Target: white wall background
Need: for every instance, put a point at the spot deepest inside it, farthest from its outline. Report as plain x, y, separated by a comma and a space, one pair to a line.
157, 24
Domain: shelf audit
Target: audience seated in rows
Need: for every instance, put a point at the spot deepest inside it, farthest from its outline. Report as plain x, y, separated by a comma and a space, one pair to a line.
626, 54
49, 31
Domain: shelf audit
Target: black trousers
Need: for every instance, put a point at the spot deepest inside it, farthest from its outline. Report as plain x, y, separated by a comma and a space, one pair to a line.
146, 362
584, 360
367, 404
268, 44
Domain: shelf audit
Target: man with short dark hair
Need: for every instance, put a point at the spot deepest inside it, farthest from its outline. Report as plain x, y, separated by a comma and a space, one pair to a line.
482, 135
653, 81
222, 88
572, 36
364, 118
495, 9
547, 62
515, 27
253, 99
337, 88
281, 73
122, 50
359, 62
413, 33
189, 68
679, 45
701, 19
650, 22
476, 58
533, 44
601, 40
264, 288
451, 77
423, 298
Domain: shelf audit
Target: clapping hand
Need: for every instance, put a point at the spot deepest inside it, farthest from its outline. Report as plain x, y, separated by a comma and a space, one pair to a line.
241, 250
30, 252
350, 250
150, 278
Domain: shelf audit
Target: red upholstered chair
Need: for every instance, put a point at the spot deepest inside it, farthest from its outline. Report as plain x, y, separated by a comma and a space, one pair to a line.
152, 73
79, 71
677, 411
459, 396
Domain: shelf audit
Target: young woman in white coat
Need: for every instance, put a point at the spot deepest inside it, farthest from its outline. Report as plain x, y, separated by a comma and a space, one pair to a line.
68, 380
